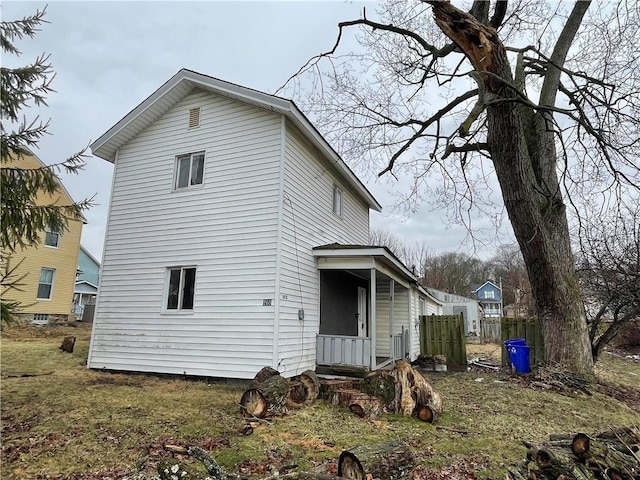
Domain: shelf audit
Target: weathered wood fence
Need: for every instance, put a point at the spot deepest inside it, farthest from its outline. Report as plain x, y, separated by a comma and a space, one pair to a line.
490, 330
527, 328
444, 335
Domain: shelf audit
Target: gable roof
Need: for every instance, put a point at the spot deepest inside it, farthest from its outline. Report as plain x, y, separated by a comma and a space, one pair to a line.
29, 156
475, 288
185, 81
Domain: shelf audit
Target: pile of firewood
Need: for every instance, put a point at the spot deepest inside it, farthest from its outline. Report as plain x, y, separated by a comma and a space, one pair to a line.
613, 455
402, 390
270, 395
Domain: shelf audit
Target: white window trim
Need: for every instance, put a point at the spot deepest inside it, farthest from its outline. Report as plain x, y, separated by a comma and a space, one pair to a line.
53, 280
176, 170
49, 231
165, 294
337, 208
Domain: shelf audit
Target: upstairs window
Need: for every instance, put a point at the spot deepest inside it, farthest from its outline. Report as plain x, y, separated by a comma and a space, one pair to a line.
182, 283
337, 200
45, 284
51, 237
489, 294
189, 170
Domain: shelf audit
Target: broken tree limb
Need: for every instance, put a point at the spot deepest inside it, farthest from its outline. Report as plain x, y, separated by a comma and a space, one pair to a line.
583, 457
215, 470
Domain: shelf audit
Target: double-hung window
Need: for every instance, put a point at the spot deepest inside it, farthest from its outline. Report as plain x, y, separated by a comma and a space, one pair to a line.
180, 292
337, 200
51, 237
189, 170
45, 284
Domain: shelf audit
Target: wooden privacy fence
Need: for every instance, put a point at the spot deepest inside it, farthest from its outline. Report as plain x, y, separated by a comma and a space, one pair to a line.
490, 330
444, 335
527, 328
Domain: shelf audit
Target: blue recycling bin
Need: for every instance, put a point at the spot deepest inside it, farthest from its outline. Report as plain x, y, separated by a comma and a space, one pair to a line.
520, 360
509, 346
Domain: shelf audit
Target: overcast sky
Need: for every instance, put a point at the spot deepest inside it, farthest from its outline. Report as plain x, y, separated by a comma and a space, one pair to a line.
109, 56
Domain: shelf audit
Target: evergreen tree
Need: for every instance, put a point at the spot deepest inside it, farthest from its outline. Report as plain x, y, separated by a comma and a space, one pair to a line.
23, 218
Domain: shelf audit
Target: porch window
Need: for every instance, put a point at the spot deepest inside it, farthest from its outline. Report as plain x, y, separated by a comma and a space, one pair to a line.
45, 284
180, 292
337, 200
189, 170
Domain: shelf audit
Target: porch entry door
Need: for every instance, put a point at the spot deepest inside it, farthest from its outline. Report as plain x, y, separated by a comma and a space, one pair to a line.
362, 312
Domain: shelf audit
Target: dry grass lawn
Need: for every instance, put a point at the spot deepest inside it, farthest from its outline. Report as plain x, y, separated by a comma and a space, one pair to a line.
60, 420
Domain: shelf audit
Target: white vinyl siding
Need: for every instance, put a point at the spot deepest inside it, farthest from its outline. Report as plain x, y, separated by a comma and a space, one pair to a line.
309, 221
227, 227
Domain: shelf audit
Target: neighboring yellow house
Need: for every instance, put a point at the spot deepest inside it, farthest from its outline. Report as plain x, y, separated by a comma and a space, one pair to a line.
50, 267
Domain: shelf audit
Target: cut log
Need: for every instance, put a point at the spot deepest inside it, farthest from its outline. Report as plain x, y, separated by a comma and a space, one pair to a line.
389, 460
369, 406
582, 457
349, 466
264, 374
276, 390
304, 392
412, 391
67, 344
312, 386
382, 384
253, 404
425, 413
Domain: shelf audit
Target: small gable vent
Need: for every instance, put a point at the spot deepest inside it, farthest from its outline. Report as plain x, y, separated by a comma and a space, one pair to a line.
194, 117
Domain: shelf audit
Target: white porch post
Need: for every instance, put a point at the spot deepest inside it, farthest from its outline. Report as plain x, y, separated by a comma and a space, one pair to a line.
392, 296
372, 317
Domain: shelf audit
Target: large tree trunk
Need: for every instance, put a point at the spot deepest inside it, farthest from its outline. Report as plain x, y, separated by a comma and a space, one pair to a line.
522, 148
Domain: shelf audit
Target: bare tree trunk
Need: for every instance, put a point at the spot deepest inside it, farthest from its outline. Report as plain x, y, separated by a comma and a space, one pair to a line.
522, 149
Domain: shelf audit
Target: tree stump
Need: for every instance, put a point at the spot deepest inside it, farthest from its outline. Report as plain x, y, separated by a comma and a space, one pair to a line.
389, 461
67, 344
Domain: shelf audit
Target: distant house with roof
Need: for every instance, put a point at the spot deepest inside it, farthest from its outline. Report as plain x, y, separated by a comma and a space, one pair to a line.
86, 287
47, 270
489, 296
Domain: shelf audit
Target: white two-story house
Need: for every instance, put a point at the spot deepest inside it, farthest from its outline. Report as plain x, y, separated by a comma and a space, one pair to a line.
236, 239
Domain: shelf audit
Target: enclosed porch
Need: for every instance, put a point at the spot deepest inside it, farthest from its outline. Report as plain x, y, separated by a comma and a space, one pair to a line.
366, 307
